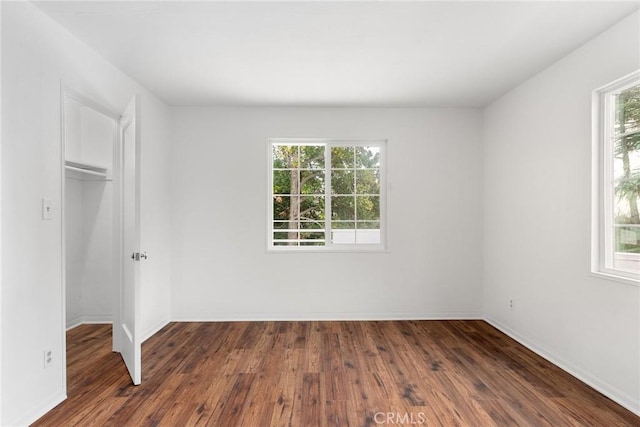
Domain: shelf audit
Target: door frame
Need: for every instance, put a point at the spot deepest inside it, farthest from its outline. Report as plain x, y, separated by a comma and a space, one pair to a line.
67, 92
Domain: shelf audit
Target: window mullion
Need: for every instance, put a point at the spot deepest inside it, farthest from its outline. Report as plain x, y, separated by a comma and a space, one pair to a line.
327, 195
355, 199
608, 232
299, 201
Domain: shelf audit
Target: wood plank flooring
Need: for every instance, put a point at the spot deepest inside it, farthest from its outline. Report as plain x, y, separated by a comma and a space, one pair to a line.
432, 373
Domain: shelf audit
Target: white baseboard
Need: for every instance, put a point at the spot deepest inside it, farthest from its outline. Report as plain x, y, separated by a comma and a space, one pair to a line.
100, 320
93, 320
320, 316
37, 412
154, 329
72, 323
598, 384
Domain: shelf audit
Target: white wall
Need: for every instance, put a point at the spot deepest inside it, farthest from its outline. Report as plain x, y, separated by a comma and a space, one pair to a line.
89, 137
36, 55
220, 266
89, 252
97, 241
537, 181
74, 265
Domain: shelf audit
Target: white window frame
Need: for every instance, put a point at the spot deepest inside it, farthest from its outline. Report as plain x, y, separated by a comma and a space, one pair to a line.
602, 238
329, 246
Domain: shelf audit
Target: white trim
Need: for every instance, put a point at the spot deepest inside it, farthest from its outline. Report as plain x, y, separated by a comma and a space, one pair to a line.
97, 319
623, 399
335, 248
63, 239
88, 102
88, 320
36, 413
362, 142
117, 241
602, 253
327, 196
321, 316
106, 320
151, 331
74, 323
614, 277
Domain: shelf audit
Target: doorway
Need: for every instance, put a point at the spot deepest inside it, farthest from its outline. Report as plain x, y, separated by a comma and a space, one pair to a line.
100, 218
90, 139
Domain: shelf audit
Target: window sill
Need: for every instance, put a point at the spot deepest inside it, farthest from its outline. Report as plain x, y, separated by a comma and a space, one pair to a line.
296, 250
615, 278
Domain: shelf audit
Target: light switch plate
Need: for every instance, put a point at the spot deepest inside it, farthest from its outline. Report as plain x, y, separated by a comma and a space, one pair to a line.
47, 209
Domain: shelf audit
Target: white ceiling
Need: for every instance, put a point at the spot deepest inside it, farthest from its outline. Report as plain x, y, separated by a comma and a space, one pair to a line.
334, 53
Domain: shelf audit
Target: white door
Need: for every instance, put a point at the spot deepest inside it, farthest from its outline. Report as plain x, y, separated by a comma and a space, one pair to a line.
129, 336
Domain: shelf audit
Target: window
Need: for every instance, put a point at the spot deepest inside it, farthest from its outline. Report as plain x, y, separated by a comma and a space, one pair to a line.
616, 232
326, 194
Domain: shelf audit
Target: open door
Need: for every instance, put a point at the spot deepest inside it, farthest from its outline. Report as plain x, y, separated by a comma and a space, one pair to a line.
128, 318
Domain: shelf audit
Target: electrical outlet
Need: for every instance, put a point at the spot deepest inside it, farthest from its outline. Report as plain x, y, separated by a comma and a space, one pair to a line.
47, 209
512, 304
48, 357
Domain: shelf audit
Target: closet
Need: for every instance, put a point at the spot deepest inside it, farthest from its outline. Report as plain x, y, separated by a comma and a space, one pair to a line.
90, 136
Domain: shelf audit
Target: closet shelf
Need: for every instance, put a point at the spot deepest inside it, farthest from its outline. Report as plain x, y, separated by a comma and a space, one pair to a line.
85, 171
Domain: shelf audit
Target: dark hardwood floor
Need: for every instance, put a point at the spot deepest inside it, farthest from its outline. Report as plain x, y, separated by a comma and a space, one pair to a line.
432, 373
